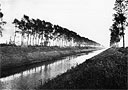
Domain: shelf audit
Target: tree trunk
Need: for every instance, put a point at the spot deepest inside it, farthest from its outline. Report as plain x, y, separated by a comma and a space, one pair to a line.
22, 40
123, 40
15, 35
33, 40
123, 36
27, 39
38, 40
36, 43
30, 39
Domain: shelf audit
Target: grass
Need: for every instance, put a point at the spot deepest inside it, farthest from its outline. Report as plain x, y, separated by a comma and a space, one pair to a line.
108, 70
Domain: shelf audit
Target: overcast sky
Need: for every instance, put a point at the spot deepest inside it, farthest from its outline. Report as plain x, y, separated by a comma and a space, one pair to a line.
89, 18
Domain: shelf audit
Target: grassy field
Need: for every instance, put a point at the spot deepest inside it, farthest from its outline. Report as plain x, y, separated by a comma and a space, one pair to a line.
12, 56
108, 70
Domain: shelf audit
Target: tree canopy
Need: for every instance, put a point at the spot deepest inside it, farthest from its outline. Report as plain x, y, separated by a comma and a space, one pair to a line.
40, 32
1, 21
119, 22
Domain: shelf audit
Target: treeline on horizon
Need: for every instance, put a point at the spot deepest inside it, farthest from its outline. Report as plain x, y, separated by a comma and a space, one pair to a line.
38, 32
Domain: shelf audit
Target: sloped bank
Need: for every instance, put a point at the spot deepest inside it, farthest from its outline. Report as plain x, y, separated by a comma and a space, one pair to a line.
13, 57
108, 70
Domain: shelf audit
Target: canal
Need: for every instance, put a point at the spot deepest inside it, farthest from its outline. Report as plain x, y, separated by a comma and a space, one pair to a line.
36, 76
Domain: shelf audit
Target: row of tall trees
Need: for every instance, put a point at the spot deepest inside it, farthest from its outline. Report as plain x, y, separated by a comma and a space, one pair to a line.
40, 32
119, 22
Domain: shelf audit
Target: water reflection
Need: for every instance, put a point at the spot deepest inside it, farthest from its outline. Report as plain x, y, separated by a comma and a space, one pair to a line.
34, 77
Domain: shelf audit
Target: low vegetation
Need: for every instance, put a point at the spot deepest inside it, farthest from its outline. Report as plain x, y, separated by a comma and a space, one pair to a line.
14, 56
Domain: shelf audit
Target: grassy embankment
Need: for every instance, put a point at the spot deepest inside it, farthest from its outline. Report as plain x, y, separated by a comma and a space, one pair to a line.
12, 57
108, 70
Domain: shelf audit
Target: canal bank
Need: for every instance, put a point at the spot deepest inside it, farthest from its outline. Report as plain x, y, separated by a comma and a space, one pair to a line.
38, 74
107, 70
16, 57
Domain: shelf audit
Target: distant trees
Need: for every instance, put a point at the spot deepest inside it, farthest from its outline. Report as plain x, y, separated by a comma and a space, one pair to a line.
41, 33
119, 22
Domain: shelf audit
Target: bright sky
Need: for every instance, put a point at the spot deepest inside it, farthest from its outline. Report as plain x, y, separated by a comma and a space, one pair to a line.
89, 18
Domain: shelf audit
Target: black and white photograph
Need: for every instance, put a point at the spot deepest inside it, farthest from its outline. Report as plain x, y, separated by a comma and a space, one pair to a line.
63, 44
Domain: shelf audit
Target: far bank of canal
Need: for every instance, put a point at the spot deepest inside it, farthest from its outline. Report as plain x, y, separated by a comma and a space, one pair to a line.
24, 57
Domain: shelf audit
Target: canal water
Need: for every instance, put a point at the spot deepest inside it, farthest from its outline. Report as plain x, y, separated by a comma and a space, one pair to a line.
34, 77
